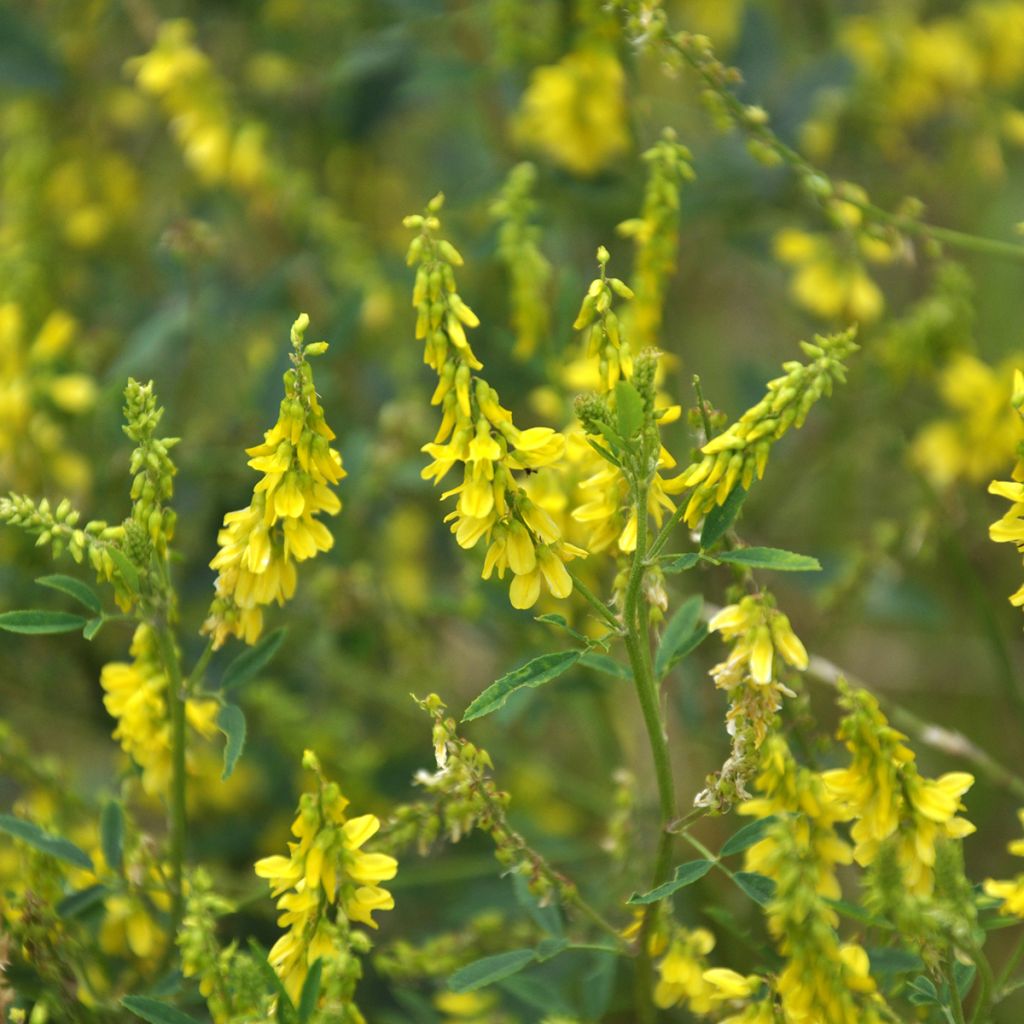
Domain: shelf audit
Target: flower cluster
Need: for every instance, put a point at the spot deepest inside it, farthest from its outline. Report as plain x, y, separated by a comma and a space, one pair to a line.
528, 268
889, 800
135, 694
982, 432
655, 234
823, 979
36, 389
478, 432
741, 451
750, 677
260, 544
179, 74
326, 870
575, 111
606, 511
830, 277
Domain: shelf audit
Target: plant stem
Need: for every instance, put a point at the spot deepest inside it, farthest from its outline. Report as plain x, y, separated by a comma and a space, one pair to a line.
638, 647
178, 824
599, 606
954, 996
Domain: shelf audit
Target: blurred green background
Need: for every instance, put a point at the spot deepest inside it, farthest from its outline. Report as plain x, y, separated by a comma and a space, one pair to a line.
180, 180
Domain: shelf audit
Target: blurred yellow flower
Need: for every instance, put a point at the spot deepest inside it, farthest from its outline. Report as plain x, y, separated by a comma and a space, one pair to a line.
575, 111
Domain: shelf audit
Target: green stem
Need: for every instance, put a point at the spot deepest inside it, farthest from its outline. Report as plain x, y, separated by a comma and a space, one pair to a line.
954, 996
199, 669
178, 824
985, 987
598, 605
638, 647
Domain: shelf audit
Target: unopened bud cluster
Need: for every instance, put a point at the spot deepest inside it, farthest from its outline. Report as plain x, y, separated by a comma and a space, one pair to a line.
740, 453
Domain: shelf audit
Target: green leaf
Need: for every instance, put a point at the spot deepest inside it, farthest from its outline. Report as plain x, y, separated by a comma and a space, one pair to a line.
686, 874
680, 563
629, 408
602, 663
758, 887
490, 969
963, 976
253, 660
155, 1012
285, 1006
39, 622
55, 846
678, 631
112, 835
559, 620
80, 591
92, 627
551, 947
922, 991
745, 837
537, 993
721, 517
231, 722
310, 991
770, 558
891, 960
129, 574
79, 902
534, 673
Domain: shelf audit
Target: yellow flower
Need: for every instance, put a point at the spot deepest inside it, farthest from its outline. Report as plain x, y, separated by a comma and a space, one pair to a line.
830, 278
681, 972
135, 694
477, 432
1011, 892
575, 112
982, 432
260, 544
325, 869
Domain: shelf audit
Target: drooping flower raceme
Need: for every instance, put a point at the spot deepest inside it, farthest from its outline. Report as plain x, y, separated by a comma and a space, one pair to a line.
823, 979
888, 798
763, 642
326, 884
478, 433
260, 544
